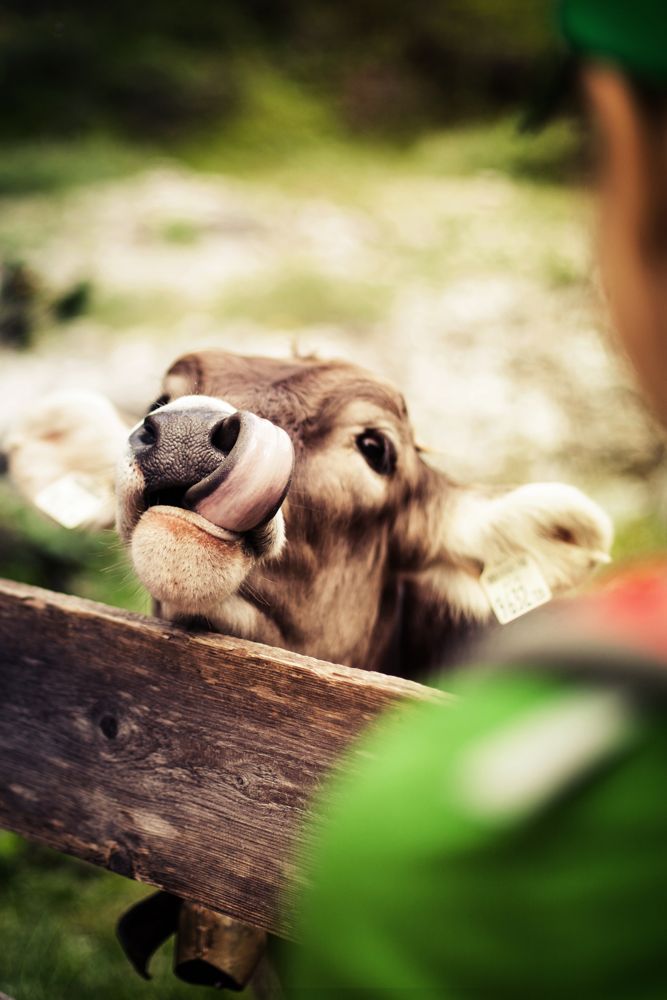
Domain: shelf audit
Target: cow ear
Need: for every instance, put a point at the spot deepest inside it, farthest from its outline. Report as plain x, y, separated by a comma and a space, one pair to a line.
562, 530
62, 454
565, 534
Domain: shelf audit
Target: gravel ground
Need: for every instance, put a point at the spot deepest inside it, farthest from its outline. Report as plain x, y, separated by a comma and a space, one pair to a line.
475, 295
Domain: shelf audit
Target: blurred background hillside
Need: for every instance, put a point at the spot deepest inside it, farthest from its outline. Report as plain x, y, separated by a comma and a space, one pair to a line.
158, 70
315, 176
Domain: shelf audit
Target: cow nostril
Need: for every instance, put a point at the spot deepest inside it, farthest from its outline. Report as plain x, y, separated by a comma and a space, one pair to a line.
225, 433
144, 437
147, 433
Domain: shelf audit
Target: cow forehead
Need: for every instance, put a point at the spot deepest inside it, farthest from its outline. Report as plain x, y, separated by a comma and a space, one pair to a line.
295, 391
211, 370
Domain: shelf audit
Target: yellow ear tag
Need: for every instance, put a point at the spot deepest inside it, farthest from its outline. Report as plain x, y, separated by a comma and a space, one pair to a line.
514, 587
72, 500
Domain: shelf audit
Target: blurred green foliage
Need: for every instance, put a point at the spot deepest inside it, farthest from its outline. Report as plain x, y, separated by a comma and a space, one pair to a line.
641, 537
299, 298
288, 135
35, 550
51, 164
160, 68
292, 139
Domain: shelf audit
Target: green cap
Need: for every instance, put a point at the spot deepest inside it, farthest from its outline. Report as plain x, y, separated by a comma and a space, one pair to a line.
630, 34
511, 845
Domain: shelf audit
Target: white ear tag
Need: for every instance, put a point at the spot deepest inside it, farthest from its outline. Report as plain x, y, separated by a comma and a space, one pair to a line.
72, 500
514, 587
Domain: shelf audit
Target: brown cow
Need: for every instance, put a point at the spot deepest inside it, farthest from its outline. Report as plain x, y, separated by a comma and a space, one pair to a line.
374, 559
370, 539
366, 519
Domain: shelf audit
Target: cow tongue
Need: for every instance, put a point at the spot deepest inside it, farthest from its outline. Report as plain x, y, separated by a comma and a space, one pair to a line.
251, 482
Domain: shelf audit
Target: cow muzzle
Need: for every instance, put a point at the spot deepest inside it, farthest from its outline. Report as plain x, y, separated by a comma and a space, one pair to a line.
231, 468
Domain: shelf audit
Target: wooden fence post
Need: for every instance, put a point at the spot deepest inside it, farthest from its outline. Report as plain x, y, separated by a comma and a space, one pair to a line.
186, 761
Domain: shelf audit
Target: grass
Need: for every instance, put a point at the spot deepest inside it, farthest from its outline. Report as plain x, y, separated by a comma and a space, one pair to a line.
54, 165
57, 927
182, 232
344, 167
120, 312
292, 135
296, 298
34, 550
641, 538
292, 297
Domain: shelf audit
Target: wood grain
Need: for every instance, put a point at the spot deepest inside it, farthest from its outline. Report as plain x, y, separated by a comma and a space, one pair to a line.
183, 760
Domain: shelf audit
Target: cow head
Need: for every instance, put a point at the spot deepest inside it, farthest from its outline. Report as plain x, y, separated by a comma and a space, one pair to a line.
368, 534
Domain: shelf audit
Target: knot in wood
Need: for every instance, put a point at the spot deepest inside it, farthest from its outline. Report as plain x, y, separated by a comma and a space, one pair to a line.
109, 726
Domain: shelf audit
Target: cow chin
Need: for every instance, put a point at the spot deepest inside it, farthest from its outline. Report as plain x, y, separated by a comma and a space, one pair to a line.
187, 564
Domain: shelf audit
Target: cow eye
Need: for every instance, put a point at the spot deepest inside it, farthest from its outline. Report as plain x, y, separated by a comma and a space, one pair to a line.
378, 451
160, 401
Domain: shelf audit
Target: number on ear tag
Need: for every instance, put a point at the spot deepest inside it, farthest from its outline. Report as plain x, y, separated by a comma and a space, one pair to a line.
514, 587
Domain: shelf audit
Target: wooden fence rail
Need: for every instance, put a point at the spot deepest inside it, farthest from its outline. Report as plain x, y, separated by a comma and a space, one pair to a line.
183, 760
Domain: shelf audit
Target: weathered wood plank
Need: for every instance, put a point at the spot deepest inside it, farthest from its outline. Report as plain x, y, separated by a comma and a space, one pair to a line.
183, 760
